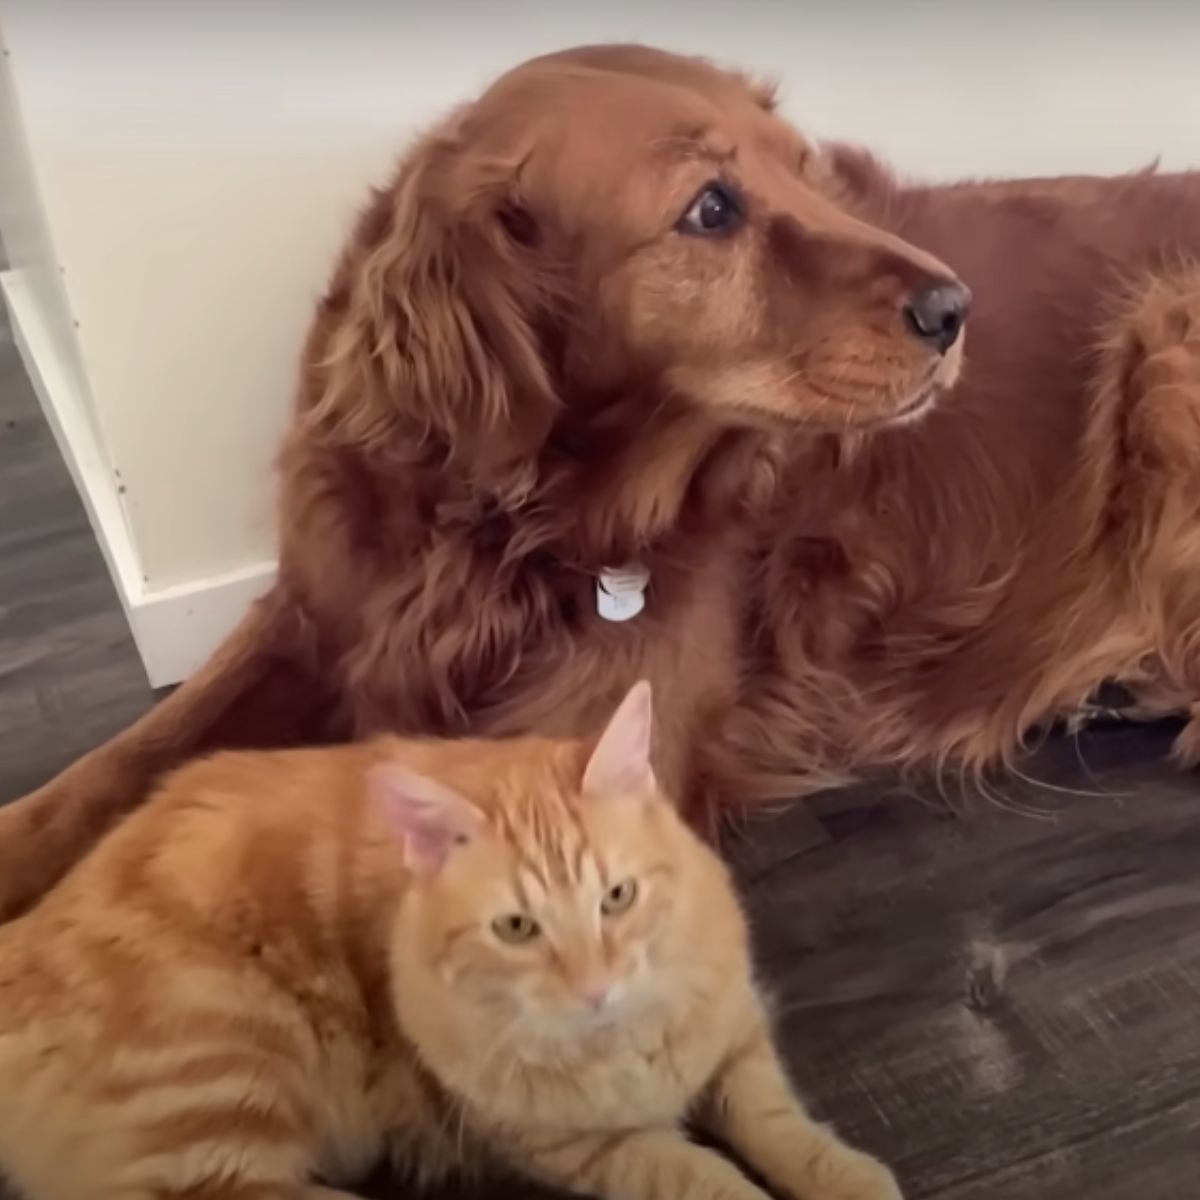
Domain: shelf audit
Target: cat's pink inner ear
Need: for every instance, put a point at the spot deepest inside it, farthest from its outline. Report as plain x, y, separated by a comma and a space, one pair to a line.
431, 819
620, 764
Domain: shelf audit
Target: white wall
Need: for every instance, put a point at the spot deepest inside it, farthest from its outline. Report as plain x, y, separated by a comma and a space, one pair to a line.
197, 163
23, 225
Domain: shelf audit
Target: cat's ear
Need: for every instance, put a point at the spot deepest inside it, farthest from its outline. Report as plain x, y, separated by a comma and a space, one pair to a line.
620, 763
431, 819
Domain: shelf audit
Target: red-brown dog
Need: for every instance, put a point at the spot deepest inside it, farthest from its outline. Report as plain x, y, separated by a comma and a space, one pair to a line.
617, 316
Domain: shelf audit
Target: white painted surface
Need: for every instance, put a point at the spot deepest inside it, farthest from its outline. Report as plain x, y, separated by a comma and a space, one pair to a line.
56, 383
177, 628
197, 162
28, 248
174, 628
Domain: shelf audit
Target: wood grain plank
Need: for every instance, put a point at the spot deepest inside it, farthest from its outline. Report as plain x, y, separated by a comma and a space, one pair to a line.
69, 674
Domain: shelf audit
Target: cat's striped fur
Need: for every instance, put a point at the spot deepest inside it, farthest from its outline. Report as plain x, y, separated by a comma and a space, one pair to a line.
288, 966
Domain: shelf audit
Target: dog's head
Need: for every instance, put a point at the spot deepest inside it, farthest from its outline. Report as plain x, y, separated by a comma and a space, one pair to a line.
615, 217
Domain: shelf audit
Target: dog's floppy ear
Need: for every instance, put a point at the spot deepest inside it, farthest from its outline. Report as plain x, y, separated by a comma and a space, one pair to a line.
432, 324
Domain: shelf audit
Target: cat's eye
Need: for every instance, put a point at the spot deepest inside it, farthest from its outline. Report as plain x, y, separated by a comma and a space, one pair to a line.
516, 928
619, 898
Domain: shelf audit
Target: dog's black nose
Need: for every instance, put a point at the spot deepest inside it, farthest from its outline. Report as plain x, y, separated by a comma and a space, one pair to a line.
937, 314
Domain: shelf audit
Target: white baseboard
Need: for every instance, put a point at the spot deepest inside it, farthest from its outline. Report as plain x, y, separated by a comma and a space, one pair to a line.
175, 628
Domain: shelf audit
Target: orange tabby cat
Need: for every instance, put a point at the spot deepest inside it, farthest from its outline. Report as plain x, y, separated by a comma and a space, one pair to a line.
291, 965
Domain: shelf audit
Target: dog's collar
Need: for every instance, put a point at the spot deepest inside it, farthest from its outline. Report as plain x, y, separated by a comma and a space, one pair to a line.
621, 591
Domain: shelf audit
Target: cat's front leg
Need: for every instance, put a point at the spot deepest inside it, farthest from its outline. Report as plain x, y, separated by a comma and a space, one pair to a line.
752, 1108
657, 1164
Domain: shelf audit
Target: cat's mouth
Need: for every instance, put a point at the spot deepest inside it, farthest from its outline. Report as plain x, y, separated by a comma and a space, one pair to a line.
599, 1022
568, 1037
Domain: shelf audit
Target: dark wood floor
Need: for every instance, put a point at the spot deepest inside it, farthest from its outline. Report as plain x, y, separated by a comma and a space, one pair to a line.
1003, 1001
69, 675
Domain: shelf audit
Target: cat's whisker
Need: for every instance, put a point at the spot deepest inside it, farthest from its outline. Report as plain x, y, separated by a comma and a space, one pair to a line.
499, 1044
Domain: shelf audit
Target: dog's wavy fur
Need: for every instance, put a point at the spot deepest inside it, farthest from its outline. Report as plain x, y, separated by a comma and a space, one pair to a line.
525, 371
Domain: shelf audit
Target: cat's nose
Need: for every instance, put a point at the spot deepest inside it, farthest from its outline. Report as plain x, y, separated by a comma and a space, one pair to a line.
596, 994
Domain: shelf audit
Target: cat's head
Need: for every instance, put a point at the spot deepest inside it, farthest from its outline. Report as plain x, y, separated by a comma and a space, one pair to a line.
555, 894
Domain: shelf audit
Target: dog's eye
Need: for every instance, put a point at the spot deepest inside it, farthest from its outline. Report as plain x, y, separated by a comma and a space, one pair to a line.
717, 209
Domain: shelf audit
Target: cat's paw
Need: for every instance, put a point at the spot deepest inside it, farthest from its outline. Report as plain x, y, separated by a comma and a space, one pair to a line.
847, 1174
862, 1177
1186, 748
